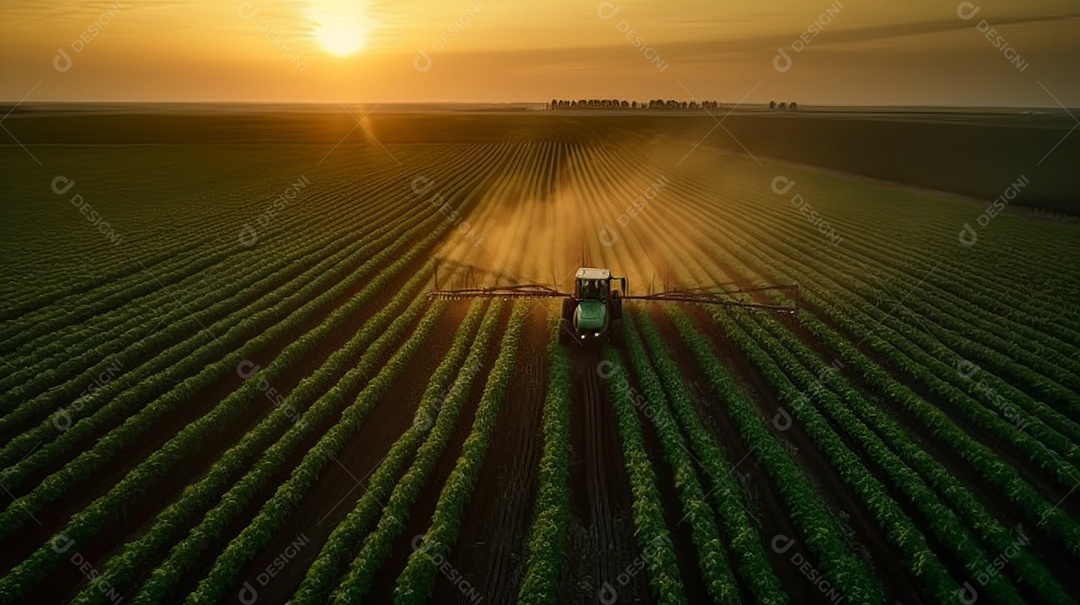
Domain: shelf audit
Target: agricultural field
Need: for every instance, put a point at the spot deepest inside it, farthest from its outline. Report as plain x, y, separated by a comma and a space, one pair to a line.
224, 381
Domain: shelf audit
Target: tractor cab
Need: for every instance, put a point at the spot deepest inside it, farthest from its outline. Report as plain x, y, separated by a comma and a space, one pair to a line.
592, 284
588, 315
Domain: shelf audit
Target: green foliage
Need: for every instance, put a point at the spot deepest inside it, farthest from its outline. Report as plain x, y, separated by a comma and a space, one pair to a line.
547, 540
823, 538
743, 536
652, 534
712, 556
899, 528
331, 562
233, 502
148, 473
992, 467
415, 582
154, 361
376, 547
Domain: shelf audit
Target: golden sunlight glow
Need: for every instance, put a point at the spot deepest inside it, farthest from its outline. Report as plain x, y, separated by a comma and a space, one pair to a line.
524, 50
340, 26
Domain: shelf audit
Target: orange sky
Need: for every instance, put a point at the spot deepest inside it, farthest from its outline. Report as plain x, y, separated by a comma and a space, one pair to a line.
851, 52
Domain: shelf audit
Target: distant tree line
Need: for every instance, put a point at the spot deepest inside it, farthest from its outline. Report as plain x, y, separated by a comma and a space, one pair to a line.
671, 104
792, 106
668, 104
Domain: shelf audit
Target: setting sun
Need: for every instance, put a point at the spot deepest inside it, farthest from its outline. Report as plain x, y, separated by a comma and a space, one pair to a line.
340, 27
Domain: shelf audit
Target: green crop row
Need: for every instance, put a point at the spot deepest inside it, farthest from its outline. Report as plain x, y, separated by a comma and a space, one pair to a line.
14, 309
1029, 364
993, 296
377, 241
657, 549
962, 320
57, 484
342, 542
63, 346
961, 341
122, 569
275, 511
945, 381
936, 379
28, 327
376, 546
547, 539
151, 470
199, 239
988, 296
958, 335
848, 403
136, 339
1036, 571
331, 230
166, 367
328, 232
848, 574
171, 367
712, 556
416, 580
219, 237
334, 187
745, 539
777, 364
325, 572
803, 261
988, 464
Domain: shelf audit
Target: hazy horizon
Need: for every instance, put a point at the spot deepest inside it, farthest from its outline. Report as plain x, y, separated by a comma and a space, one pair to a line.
728, 105
841, 53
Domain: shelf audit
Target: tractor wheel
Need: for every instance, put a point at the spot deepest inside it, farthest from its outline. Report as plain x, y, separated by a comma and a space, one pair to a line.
566, 324
568, 311
617, 334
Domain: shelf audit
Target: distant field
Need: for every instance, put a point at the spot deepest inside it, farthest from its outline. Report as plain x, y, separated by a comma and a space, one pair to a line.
224, 380
976, 153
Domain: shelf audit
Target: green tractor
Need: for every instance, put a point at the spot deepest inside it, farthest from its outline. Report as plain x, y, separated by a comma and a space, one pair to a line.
593, 311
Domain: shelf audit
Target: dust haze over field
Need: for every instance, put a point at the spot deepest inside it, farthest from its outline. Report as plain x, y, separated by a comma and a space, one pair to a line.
573, 210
